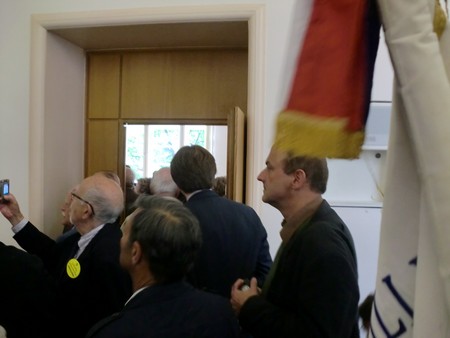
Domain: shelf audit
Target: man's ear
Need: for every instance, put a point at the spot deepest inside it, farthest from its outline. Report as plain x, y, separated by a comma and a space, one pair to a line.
87, 213
136, 253
299, 178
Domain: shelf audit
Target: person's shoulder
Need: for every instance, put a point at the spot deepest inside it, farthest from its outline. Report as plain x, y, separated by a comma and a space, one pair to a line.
210, 300
107, 241
13, 254
110, 230
326, 229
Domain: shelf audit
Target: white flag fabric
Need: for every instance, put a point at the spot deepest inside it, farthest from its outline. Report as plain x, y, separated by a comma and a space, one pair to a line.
412, 296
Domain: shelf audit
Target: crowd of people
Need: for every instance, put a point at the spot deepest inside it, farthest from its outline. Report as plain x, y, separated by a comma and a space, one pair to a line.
186, 261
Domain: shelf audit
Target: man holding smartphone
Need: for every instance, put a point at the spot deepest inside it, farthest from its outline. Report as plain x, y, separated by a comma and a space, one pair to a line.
91, 283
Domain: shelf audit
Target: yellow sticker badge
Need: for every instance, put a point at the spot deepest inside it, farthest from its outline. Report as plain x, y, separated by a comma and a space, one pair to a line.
73, 268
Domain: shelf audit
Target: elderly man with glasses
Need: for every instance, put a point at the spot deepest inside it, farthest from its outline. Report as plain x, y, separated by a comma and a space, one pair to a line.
91, 284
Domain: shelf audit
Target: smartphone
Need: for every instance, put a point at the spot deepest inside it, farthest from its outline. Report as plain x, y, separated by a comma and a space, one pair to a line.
4, 187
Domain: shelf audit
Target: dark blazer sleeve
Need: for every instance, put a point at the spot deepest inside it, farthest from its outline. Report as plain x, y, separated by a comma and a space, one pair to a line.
264, 259
35, 242
313, 293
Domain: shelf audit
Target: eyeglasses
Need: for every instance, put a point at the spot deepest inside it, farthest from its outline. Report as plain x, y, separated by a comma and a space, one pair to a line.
83, 200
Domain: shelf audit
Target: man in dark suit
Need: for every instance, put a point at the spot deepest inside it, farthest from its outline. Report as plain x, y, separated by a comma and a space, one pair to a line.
312, 288
27, 295
90, 282
234, 239
159, 243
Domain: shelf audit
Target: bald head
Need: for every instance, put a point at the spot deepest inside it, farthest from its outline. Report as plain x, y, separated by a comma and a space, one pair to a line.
105, 195
109, 174
162, 183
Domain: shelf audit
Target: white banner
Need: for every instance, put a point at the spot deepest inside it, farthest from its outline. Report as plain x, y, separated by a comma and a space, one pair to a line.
412, 296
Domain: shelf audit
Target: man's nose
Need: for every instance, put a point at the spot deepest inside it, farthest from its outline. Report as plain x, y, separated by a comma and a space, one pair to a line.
260, 176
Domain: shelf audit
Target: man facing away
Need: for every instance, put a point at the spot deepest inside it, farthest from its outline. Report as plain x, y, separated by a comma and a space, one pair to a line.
91, 283
234, 239
160, 241
312, 288
162, 184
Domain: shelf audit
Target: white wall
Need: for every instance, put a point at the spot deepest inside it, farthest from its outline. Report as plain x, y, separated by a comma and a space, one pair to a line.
63, 125
15, 39
15, 83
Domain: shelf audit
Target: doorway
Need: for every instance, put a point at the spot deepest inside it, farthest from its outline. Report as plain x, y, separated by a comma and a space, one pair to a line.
45, 168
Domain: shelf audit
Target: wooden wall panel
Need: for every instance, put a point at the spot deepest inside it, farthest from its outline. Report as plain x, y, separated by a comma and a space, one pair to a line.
102, 146
103, 86
199, 84
208, 85
145, 85
190, 82
230, 84
188, 85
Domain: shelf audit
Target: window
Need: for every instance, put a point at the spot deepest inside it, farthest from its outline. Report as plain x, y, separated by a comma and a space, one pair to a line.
151, 147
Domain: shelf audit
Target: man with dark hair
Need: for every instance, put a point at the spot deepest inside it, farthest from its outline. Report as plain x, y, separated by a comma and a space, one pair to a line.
160, 241
234, 239
312, 288
90, 281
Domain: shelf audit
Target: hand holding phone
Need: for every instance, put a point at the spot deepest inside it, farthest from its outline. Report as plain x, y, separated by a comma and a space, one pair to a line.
4, 188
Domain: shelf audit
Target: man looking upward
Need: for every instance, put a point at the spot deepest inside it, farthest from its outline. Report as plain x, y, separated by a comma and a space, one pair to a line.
91, 283
312, 288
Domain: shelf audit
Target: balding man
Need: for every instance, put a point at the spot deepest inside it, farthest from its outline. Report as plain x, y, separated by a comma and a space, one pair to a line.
91, 284
162, 184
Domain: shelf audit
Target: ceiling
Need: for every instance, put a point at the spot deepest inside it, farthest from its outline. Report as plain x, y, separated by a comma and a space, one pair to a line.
232, 34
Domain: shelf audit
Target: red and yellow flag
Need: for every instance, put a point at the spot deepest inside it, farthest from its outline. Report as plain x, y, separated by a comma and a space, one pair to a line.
330, 94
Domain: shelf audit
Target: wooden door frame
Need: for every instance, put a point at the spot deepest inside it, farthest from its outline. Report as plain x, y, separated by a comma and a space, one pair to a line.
41, 24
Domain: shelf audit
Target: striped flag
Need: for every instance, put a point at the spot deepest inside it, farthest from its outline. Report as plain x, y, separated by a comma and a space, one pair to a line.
412, 297
330, 91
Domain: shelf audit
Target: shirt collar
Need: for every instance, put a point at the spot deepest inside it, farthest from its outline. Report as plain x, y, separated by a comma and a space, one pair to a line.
86, 239
299, 219
136, 292
188, 196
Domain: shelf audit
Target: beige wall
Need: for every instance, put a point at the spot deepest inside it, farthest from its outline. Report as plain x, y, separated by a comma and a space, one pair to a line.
20, 119
40, 182
20, 116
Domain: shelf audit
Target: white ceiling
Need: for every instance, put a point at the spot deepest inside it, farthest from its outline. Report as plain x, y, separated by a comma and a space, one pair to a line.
233, 34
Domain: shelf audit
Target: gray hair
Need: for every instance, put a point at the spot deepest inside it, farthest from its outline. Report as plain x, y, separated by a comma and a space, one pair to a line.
169, 235
163, 184
105, 211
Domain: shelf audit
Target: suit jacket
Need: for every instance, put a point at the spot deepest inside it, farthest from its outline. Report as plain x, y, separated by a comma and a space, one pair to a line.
174, 310
314, 291
234, 243
102, 286
27, 295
